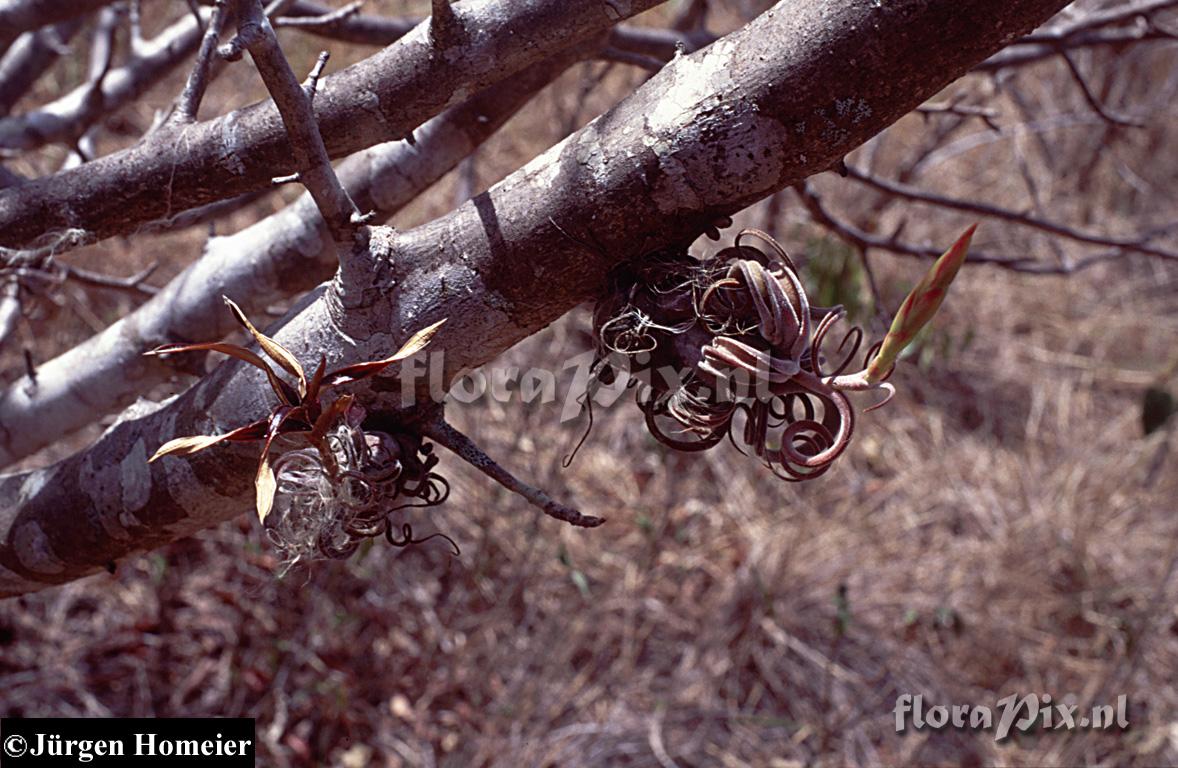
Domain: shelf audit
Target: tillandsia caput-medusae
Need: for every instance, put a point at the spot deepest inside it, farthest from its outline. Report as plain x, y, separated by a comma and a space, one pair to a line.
741, 326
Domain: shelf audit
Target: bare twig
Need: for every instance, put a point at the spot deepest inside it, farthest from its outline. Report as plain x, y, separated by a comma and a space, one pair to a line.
351, 27
1089, 30
864, 241
294, 104
70, 116
440, 431
641, 60
198, 80
324, 21
134, 283
1140, 245
985, 114
1090, 97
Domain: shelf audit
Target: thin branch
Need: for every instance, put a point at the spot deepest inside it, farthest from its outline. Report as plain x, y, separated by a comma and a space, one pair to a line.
985, 114
134, 283
1090, 97
294, 104
443, 433
1089, 30
865, 241
351, 27
641, 60
324, 21
1128, 244
70, 116
190, 98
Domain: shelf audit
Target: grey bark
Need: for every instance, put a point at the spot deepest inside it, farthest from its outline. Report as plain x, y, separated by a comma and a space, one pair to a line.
29, 57
379, 99
763, 108
67, 118
17, 16
281, 256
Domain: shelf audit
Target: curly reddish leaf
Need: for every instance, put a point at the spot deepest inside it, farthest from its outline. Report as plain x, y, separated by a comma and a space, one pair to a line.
919, 307
284, 391
272, 348
351, 373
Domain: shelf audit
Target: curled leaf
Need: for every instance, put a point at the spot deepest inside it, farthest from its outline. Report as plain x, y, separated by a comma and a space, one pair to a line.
265, 486
272, 348
350, 373
185, 446
919, 307
284, 391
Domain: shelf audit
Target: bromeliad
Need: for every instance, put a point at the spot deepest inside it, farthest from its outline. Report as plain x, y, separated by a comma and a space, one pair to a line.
299, 410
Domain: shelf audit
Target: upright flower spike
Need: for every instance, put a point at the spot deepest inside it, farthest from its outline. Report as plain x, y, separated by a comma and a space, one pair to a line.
297, 412
919, 307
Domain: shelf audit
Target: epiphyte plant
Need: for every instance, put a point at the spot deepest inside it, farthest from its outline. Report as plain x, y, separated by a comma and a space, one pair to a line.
742, 326
357, 468
336, 490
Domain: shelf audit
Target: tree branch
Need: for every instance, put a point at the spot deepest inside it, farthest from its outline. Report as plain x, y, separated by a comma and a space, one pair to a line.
714, 131
379, 99
68, 117
311, 162
279, 257
29, 58
17, 16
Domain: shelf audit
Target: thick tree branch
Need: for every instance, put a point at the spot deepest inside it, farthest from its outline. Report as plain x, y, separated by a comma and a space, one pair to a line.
380, 99
279, 257
714, 131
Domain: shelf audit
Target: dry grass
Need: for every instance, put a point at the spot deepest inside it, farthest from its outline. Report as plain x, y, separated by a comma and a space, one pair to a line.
1002, 527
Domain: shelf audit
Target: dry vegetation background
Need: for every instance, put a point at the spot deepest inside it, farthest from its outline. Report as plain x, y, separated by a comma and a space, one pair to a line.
1002, 527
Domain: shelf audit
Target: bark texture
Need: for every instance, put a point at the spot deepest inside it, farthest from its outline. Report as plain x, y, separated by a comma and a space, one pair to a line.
281, 256
781, 99
379, 99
